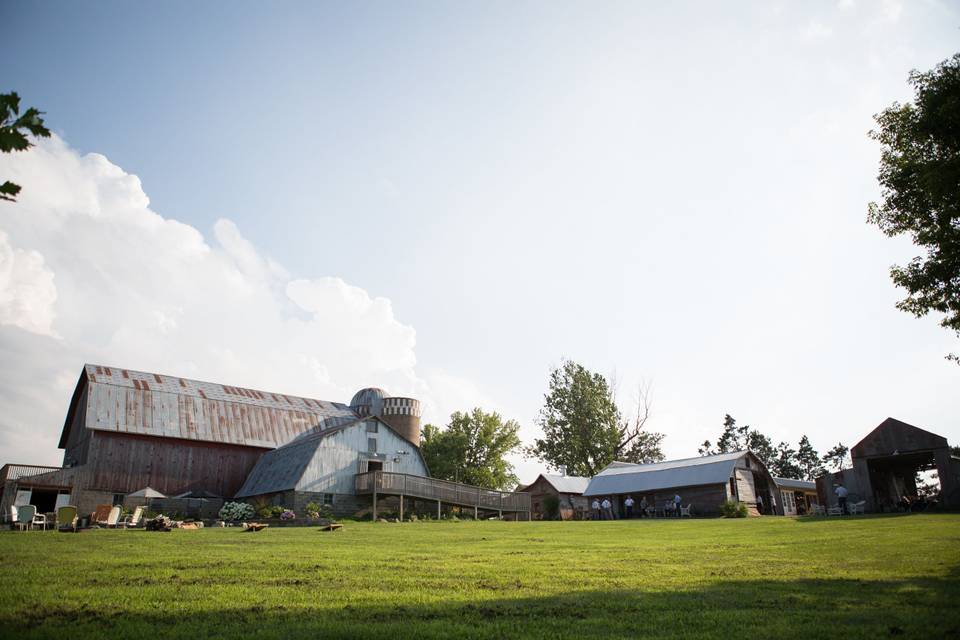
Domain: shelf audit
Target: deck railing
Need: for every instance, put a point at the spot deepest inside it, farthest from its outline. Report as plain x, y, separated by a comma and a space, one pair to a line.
385, 482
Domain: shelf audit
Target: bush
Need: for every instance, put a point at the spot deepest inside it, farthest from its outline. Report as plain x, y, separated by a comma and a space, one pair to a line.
312, 510
287, 514
235, 511
551, 507
265, 512
732, 509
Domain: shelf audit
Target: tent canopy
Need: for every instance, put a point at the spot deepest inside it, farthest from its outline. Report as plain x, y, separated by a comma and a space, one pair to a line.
146, 492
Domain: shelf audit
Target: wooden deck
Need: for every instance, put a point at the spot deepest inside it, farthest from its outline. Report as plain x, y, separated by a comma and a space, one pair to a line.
443, 491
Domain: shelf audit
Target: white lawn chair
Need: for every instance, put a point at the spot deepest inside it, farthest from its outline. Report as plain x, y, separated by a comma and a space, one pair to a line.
114, 517
817, 510
835, 510
685, 511
129, 522
856, 507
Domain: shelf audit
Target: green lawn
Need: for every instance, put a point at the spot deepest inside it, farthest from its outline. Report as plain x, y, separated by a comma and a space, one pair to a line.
866, 577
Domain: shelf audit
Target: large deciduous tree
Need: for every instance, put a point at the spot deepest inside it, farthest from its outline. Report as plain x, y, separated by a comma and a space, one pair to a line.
584, 430
472, 449
920, 181
14, 128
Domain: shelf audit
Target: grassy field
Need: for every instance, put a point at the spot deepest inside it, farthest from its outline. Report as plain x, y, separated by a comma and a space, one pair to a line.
866, 577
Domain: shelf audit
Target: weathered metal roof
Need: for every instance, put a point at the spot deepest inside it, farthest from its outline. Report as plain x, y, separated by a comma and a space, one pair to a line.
17, 471
152, 404
623, 477
791, 483
567, 484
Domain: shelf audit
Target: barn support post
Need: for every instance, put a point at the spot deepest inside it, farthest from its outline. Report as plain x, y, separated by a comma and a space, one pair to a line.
475, 505
401, 507
374, 502
438, 509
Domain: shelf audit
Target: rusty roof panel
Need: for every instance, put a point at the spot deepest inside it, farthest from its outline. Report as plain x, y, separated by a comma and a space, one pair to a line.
123, 401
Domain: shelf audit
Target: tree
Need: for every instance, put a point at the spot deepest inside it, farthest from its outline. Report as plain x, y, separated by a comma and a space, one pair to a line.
13, 134
920, 181
836, 457
584, 430
955, 451
785, 462
736, 438
808, 460
472, 449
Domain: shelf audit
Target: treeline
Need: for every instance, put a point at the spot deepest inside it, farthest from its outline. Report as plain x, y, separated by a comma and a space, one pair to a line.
802, 463
584, 430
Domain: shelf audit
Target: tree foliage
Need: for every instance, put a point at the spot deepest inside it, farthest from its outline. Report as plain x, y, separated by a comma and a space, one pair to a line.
803, 463
836, 457
14, 128
472, 449
920, 181
583, 428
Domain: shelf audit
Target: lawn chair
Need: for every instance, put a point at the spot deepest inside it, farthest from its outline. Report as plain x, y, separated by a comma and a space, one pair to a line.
817, 510
130, 522
113, 518
857, 507
685, 511
25, 516
102, 513
835, 510
67, 518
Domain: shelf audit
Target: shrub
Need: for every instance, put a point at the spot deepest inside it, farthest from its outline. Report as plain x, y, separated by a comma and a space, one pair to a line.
265, 512
312, 510
276, 511
326, 511
733, 509
234, 511
287, 514
551, 507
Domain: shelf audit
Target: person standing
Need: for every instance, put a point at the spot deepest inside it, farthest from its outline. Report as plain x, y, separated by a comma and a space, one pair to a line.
628, 503
760, 504
643, 507
596, 509
841, 492
676, 503
607, 509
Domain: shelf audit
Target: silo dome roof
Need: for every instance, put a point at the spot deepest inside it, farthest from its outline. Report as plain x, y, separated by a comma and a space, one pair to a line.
368, 396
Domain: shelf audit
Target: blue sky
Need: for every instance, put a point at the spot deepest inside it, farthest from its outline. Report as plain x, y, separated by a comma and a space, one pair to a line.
672, 192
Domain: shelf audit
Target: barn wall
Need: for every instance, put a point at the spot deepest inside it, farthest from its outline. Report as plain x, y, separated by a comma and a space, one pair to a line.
125, 463
78, 442
704, 500
746, 489
538, 491
340, 455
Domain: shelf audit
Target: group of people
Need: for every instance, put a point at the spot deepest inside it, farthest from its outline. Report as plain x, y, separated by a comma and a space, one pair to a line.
603, 509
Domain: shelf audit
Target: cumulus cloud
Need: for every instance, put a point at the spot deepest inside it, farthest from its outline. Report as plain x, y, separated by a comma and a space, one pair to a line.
89, 273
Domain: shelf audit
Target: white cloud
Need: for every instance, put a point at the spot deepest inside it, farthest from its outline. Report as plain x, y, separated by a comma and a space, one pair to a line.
137, 290
816, 30
27, 291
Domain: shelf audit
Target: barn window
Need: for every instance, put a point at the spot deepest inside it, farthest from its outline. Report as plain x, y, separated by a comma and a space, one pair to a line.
372, 445
371, 426
118, 499
328, 498
747, 462
733, 488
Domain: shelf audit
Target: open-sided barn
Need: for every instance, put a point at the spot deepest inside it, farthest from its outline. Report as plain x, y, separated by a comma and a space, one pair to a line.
885, 467
704, 482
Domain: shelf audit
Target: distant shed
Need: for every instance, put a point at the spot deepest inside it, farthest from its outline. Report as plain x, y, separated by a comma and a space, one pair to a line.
568, 490
796, 496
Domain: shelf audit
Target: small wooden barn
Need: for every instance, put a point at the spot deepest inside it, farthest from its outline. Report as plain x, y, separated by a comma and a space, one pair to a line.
704, 482
567, 489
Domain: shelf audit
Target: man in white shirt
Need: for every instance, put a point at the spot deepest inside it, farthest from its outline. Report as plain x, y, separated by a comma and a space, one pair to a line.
596, 509
841, 492
676, 503
628, 503
607, 510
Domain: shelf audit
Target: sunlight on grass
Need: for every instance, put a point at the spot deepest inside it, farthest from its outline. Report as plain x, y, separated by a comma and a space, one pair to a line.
781, 577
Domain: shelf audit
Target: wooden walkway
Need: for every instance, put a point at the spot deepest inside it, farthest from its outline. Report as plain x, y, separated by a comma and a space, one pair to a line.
379, 483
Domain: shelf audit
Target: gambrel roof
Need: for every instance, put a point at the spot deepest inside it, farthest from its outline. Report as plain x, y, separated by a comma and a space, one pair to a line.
152, 404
